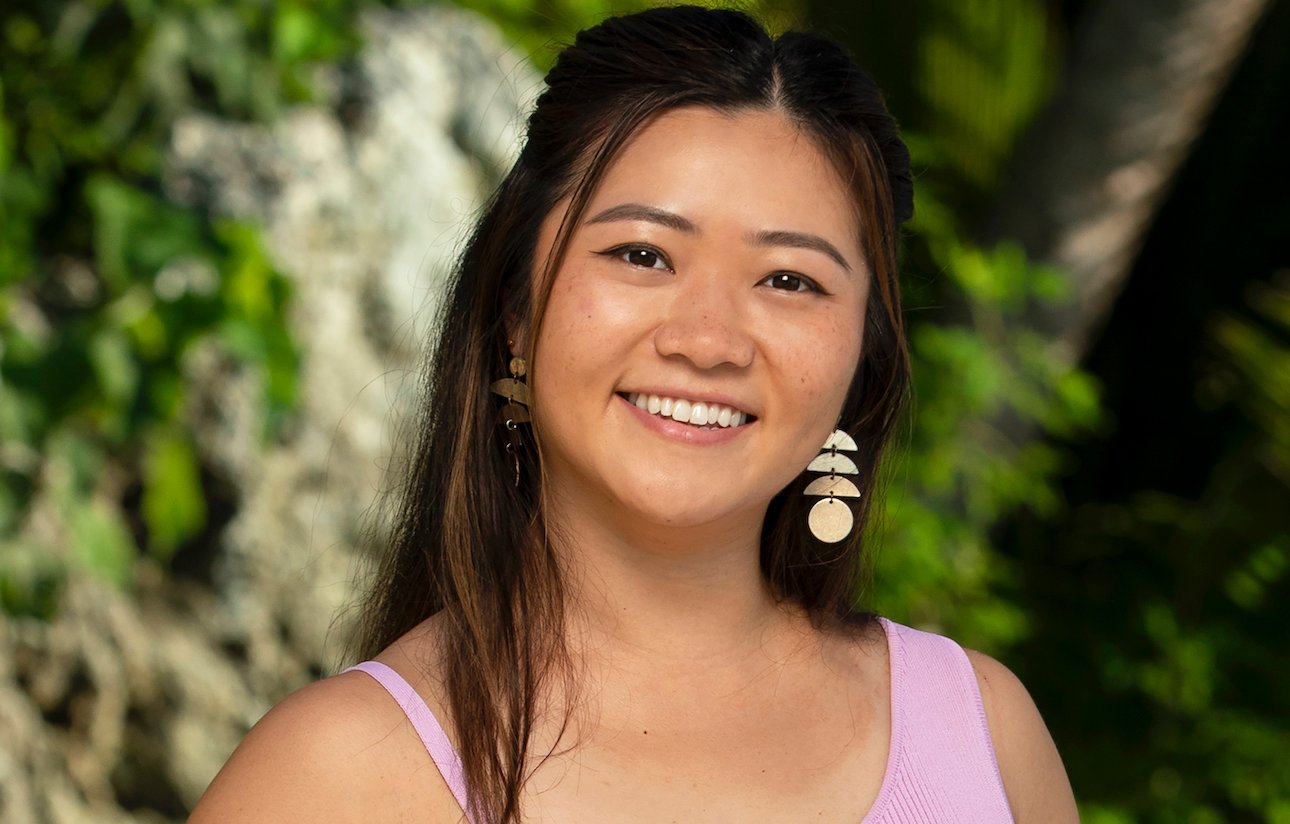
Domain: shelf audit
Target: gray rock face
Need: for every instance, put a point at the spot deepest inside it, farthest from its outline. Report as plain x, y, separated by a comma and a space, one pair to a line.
134, 701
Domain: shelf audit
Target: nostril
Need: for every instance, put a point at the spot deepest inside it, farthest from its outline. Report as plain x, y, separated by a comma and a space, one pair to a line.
708, 343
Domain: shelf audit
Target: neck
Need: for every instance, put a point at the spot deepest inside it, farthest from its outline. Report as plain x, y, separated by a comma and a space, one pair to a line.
664, 593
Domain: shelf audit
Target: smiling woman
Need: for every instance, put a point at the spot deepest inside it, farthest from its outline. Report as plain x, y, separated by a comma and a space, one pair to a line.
629, 593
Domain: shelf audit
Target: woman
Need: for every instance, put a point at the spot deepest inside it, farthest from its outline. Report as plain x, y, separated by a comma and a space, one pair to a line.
622, 583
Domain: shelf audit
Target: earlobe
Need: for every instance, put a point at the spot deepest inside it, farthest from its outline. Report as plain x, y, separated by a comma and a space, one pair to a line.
516, 340
516, 328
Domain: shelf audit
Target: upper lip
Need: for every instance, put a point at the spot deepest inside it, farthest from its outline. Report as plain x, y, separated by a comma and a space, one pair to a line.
695, 396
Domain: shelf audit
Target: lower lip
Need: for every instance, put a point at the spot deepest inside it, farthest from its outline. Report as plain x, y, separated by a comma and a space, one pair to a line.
684, 432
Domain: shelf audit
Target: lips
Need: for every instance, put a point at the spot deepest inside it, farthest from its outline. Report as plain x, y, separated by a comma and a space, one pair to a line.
706, 414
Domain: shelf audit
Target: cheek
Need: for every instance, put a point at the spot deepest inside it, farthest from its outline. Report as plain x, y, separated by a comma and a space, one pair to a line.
587, 309
819, 358
587, 325
817, 363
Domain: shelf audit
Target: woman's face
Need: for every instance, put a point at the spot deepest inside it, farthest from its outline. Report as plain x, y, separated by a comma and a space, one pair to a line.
716, 267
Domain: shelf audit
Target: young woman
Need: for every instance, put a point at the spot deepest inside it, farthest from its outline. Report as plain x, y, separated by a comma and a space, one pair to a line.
622, 586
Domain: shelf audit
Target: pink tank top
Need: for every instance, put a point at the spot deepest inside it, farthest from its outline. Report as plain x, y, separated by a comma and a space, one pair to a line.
941, 767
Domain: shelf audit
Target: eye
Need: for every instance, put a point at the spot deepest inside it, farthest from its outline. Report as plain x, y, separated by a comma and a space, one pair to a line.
789, 282
646, 257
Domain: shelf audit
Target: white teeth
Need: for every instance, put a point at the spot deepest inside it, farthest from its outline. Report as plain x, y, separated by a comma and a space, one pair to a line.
695, 413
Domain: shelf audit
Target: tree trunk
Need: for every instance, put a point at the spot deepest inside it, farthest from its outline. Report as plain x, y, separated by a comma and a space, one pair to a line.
1083, 190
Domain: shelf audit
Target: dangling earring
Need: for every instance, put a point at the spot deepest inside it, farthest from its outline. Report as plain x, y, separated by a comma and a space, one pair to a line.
515, 411
830, 519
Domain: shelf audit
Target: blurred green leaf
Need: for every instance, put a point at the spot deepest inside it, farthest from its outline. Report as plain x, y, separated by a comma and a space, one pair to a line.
114, 366
137, 233
174, 507
984, 68
99, 540
29, 580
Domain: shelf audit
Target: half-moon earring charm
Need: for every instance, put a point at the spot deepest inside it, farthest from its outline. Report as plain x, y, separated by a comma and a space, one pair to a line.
830, 519
515, 411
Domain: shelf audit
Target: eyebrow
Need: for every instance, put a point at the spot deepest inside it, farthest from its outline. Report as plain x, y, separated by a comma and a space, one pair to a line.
768, 237
800, 240
652, 214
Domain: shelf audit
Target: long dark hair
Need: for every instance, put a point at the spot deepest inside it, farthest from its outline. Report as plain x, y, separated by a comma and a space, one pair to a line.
471, 545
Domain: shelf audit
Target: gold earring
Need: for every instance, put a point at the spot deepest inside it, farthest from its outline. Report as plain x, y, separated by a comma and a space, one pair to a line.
515, 411
830, 519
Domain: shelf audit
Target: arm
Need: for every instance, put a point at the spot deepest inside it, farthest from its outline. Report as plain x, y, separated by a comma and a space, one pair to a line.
336, 751
1033, 776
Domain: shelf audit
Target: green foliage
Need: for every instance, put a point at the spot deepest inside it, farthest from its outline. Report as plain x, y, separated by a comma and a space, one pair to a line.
105, 285
1250, 368
174, 507
983, 69
539, 30
1168, 606
964, 77
983, 383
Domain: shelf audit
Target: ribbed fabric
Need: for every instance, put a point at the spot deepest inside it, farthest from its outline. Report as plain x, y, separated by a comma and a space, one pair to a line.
941, 767
436, 742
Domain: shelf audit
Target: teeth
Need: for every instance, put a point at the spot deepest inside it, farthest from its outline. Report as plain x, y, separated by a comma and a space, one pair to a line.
695, 413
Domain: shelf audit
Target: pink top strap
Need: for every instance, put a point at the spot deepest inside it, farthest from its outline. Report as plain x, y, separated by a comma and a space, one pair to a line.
941, 768
428, 729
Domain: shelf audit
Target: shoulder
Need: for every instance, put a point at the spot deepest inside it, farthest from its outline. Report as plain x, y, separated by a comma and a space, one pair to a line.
337, 750
1033, 775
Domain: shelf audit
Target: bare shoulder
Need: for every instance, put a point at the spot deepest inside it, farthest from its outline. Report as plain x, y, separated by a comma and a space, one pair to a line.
338, 750
1033, 775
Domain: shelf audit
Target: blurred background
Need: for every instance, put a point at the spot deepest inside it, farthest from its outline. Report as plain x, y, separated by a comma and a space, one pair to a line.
223, 226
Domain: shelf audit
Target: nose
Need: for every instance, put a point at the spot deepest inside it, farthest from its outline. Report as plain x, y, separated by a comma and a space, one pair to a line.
703, 325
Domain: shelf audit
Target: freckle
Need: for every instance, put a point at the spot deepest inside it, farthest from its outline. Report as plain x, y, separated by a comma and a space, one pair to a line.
644, 732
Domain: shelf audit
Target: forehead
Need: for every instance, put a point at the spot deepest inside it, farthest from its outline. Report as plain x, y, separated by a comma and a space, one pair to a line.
753, 167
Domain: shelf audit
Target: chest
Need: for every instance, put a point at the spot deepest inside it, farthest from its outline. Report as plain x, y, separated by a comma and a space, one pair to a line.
815, 754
